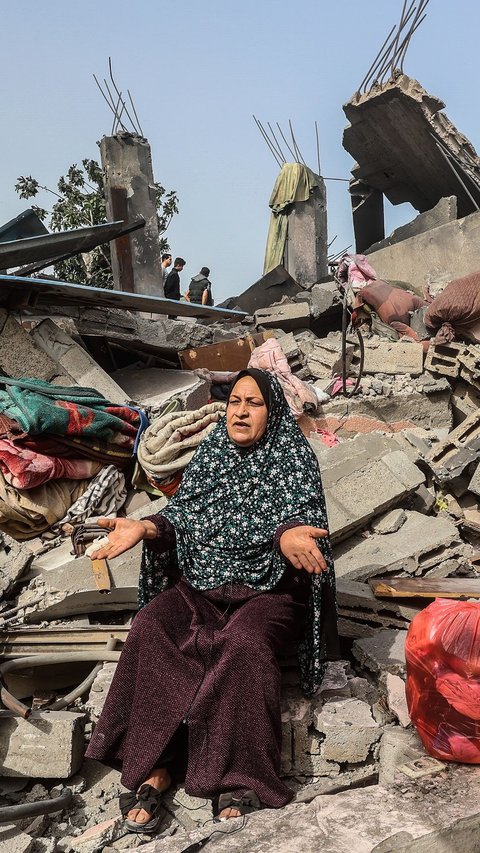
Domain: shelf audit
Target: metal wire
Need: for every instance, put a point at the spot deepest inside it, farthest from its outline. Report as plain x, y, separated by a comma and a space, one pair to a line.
117, 104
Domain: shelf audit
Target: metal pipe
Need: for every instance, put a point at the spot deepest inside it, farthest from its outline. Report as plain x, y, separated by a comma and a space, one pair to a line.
10, 814
85, 685
442, 152
13, 703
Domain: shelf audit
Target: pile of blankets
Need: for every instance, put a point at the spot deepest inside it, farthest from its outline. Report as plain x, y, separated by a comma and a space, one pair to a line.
57, 446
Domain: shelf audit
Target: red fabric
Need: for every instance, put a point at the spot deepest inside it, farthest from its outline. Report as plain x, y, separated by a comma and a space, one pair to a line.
442, 650
456, 311
25, 469
392, 304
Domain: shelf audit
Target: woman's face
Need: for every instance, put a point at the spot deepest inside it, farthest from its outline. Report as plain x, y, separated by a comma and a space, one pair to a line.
247, 413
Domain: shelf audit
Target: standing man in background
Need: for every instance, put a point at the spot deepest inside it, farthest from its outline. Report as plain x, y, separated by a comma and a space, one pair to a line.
200, 290
172, 283
166, 263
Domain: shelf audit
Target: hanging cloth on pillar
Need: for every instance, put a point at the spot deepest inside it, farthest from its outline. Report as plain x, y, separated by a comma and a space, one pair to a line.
294, 183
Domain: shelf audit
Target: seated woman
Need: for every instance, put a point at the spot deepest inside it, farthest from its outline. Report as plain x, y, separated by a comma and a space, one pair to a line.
242, 562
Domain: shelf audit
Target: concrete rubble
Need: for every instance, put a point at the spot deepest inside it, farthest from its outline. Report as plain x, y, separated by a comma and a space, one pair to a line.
399, 454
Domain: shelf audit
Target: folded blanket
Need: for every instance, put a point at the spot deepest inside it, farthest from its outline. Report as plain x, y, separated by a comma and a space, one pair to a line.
25, 469
104, 496
169, 443
25, 514
40, 407
270, 357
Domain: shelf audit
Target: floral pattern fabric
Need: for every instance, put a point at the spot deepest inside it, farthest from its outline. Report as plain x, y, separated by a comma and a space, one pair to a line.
226, 513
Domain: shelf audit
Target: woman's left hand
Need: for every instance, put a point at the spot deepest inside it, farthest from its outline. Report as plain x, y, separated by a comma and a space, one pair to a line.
299, 547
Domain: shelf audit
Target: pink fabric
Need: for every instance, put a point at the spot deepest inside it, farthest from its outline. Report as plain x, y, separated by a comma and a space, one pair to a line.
25, 469
356, 270
328, 438
338, 386
270, 357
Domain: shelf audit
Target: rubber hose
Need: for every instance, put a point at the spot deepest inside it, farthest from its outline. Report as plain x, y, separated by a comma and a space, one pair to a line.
9, 814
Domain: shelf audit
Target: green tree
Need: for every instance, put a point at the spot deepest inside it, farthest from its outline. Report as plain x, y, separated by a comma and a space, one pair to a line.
80, 201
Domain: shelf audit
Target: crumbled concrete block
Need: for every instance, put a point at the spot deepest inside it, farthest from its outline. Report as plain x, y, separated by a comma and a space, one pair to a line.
152, 387
382, 653
286, 316
362, 478
397, 746
14, 559
76, 361
70, 589
444, 358
465, 401
461, 447
349, 730
20, 357
396, 698
474, 484
391, 522
296, 718
470, 366
382, 356
421, 543
325, 359
49, 744
423, 500
13, 840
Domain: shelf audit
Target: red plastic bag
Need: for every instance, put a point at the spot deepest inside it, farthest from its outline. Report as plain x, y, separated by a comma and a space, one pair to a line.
443, 679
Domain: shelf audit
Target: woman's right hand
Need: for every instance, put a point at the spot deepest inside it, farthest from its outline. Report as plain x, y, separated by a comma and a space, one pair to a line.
123, 534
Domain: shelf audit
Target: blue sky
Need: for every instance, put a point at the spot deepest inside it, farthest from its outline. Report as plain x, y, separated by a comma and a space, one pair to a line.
197, 72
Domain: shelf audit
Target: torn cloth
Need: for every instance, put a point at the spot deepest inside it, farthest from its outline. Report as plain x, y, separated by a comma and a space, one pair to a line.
25, 469
294, 183
271, 358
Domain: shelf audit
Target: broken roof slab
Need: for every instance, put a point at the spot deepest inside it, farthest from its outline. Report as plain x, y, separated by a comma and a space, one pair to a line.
393, 134
35, 293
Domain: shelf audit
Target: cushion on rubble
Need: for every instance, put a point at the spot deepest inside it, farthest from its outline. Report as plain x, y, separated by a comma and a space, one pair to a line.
392, 304
456, 311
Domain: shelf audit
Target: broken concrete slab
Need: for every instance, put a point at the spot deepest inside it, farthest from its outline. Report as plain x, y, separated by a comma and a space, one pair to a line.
349, 730
13, 840
421, 543
451, 457
49, 744
382, 356
474, 484
389, 414
397, 746
408, 165
397, 699
444, 211
69, 589
76, 362
152, 387
284, 315
20, 357
264, 292
362, 478
324, 358
444, 816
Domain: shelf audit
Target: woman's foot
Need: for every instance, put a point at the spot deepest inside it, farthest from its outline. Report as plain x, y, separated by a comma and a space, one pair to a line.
232, 805
159, 779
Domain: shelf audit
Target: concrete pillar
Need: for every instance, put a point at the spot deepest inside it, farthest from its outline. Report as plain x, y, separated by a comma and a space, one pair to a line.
368, 216
306, 247
130, 194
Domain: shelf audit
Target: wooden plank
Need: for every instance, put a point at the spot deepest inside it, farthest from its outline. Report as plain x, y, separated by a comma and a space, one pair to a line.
425, 587
229, 355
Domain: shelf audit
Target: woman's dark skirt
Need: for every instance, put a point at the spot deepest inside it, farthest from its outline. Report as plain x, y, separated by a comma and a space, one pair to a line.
209, 659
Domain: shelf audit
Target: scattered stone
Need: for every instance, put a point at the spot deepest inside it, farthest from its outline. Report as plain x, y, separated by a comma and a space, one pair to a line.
396, 698
382, 653
284, 315
391, 522
349, 730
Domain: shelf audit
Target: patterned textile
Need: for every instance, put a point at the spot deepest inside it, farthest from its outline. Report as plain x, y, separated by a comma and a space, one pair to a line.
104, 496
227, 510
300, 396
356, 270
25, 469
40, 407
171, 440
